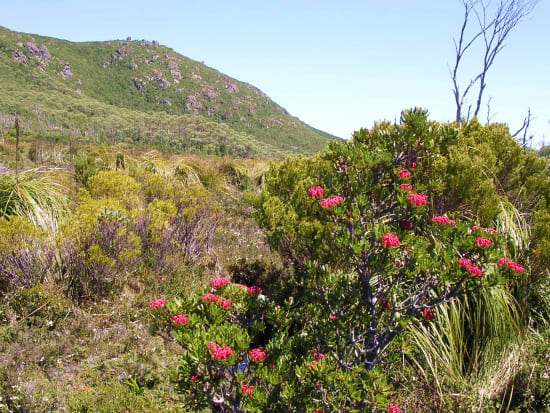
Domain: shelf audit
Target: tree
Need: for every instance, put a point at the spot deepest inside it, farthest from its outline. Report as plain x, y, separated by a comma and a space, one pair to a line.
491, 33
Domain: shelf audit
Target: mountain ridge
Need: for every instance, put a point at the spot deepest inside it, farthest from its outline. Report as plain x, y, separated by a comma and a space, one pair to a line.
74, 84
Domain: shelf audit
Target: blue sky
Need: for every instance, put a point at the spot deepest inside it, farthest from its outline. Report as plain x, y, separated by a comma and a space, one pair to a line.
337, 65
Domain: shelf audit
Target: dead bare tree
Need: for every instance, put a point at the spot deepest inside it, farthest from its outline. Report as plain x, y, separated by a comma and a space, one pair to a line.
494, 25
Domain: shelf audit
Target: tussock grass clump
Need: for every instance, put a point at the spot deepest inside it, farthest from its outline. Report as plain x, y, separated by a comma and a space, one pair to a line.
35, 195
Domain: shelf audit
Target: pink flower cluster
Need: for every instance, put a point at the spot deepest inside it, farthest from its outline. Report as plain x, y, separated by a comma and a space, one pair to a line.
513, 266
411, 165
391, 240
443, 220
180, 319
225, 303
247, 389
210, 297
195, 377
487, 230
418, 199
316, 191
219, 282
428, 314
470, 267
406, 187
483, 242
318, 356
250, 290
157, 304
403, 173
393, 408
219, 352
331, 201
256, 355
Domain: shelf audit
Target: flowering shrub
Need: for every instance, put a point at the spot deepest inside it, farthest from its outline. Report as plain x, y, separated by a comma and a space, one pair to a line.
380, 264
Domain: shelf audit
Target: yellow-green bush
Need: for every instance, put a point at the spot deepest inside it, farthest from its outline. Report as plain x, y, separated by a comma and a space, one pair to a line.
116, 185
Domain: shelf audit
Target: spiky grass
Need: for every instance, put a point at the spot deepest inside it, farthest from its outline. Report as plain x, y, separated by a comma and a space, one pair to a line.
36, 195
472, 346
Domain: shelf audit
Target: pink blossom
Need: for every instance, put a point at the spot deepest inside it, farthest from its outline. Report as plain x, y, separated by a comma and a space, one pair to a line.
418, 199
247, 389
406, 187
492, 231
463, 262
219, 282
504, 261
476, 227
254, 290
195, 377
180, 319
316, 191
483, 242
428, 314
219, 352
210, 297
475, 271
452, 222
406, 225
440, 219
157, 304
225, 303
256, 355
517, 267
318, 356
390, 240
328, 203
403, 173
332, 317
393, 408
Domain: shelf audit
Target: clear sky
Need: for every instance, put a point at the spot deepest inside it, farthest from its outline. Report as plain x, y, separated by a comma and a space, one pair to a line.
338, 65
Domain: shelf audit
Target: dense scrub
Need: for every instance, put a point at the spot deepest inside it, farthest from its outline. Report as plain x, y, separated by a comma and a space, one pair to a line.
97, 234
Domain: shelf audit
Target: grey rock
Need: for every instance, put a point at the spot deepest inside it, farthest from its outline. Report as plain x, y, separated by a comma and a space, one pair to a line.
20, 57
166, 102
231, 87
33, 48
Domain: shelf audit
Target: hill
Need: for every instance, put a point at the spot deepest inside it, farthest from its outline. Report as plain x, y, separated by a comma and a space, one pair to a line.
140, 93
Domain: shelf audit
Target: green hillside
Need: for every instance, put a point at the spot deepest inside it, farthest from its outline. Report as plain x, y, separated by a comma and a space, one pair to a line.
142, 94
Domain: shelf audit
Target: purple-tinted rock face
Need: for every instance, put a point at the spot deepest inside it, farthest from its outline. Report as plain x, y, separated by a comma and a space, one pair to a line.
212, 112
44, 52
66, 72
193, 102
231, 88
20, 57
139, 84
163, 84
175, 74
166, 102
32, 47
212, 96
134, 66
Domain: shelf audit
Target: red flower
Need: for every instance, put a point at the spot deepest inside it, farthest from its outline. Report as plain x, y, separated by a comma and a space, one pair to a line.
390, 240
403, 173
219, 352
504, 261
452, 222
406, 225
254, 290
413, 165
318, 356
406, 187
219, 282
316, 191
210, 297
418, 199
247, 389
440, 219
256, 355
475, 271
393, 408
483, 242
180, 319
225, 303
463, 262
428, 314
328, 203
517, 267
157, 304
332, 317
